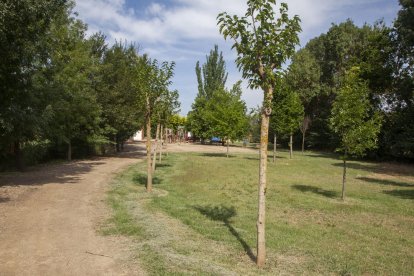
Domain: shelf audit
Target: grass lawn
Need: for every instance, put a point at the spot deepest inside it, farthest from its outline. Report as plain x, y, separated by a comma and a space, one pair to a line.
201, 217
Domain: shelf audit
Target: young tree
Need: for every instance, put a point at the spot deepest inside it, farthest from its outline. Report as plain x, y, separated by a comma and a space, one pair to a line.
153, 79
287, 114
263, 43
226, 115
353, 120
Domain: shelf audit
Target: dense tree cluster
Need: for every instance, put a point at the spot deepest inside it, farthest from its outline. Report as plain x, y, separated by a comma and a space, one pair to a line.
217, 111
385, 58
63, 92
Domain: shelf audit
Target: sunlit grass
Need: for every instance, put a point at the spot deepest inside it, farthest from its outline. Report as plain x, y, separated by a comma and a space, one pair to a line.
308, 228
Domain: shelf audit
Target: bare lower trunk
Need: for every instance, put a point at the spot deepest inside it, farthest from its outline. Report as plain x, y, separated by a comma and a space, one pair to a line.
161, 143
69, 154
154, 160
166, 142
274, 148
228, 142
343, 181
303, 142
291, 146
149, 168
261, 214
18, 156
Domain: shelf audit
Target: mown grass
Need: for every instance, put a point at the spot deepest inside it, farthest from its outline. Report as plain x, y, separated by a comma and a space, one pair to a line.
309, 230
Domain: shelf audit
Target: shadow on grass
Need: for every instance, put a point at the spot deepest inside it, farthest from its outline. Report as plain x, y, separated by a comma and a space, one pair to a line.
355, 166
142, 179
385, 182
315, 190
269, 158
216, 155
404, 194
224, 214
162, 165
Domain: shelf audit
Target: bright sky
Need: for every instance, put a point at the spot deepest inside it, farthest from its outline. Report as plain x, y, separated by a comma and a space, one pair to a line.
185, 31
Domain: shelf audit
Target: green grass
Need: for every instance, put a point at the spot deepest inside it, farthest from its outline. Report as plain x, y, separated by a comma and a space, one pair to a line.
201, 217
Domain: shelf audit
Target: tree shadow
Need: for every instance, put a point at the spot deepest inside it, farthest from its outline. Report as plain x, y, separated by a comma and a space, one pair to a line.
394, 169
221, 154
404, 194
315, 190
162, 165
269, 157
385, 182
224, 214
355, 166
66, 173
141, 179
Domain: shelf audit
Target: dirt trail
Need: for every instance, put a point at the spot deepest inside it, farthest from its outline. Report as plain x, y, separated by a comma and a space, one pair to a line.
49, 218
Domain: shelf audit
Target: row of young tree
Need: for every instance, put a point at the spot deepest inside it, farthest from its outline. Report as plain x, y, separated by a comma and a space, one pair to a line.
64, 93
344, 88
383, 56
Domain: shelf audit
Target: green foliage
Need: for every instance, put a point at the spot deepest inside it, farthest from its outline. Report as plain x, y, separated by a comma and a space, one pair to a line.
352, 117
287, 112
212, 76
262, 41
176, 121
58, 85
24, 38
225, 113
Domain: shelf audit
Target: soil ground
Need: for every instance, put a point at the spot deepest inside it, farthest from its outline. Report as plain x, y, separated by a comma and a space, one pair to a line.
50, 216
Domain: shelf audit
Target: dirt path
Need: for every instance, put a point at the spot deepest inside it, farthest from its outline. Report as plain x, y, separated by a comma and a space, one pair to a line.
49, 218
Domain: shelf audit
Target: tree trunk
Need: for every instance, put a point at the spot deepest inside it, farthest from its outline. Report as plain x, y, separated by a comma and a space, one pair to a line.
343, 181
167, 141
157, 134
228, 142
303, 142
69, 156
149, 167
261, 214
18, 156
117, 144
274, 148
161, 143
291, 146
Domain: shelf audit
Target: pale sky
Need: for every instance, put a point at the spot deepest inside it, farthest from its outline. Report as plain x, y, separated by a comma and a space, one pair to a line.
185, 31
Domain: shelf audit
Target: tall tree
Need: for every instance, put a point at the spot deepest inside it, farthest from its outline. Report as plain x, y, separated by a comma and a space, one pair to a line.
121, 100
211, 77
263, 43
76, 112
24, 36
287, 114
352, 119
226, 114
303, 77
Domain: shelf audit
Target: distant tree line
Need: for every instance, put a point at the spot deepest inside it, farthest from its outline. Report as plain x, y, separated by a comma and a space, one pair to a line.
384, 57
66, 94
